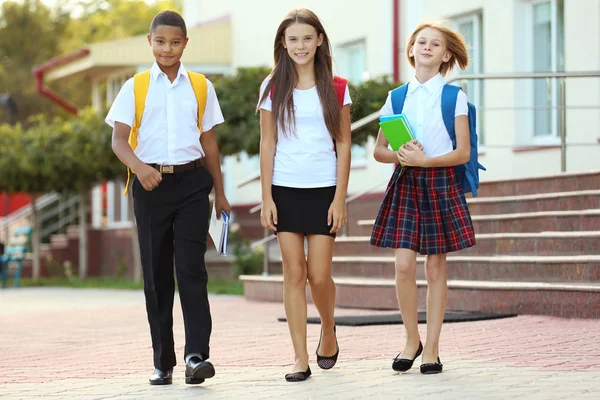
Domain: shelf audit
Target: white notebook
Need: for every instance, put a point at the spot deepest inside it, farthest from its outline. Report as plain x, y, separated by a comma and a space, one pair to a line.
219, 230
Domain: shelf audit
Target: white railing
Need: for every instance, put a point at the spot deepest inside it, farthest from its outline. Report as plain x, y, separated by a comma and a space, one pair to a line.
559, 76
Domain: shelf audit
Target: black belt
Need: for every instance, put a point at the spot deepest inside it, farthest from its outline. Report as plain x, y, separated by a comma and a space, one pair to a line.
172, 169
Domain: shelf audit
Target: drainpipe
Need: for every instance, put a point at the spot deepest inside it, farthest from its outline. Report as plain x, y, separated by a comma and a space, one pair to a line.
396, 39
38, 73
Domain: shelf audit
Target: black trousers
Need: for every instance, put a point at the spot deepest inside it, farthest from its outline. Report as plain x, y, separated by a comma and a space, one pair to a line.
172, 222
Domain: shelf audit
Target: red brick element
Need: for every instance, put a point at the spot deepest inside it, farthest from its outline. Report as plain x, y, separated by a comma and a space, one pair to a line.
538, 251
541, 244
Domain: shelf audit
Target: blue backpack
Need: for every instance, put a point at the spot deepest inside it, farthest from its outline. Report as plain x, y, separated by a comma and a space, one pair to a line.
468, 174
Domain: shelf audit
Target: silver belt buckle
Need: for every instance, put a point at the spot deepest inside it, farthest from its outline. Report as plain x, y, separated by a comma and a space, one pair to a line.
166, 169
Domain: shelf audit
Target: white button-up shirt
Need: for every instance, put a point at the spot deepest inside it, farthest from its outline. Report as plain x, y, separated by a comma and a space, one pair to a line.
169, 133
423, 109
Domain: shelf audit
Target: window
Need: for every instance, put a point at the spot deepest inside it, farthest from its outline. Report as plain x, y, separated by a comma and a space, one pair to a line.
548, 56
470, 27
352, 65
351, 60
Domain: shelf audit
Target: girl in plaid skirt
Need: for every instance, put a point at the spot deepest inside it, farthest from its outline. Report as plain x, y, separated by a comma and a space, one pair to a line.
424, 209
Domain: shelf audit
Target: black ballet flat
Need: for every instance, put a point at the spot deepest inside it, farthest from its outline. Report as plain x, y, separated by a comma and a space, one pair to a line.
327, 362
298, 376
432, 368
404, 364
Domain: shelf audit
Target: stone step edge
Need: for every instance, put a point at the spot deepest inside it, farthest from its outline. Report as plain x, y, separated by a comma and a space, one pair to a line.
495, 217
506, 235
452, 284
541, 177
531, 197
569, 259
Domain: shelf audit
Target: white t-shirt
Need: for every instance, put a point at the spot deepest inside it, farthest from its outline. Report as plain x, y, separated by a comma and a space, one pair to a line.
169, 131
423, 109
305, 158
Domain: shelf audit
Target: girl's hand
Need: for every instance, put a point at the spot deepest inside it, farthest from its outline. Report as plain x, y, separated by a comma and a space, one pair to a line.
412, 155
337, 215
418, 144
268, 215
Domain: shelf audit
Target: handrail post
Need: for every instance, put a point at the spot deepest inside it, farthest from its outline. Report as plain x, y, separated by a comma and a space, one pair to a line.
266, 254
563, 125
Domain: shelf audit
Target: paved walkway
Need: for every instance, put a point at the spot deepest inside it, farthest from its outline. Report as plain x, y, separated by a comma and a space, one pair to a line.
94, 344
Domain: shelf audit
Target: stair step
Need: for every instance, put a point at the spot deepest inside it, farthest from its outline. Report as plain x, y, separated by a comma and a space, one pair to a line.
582, 268
528, 243
576, 200
561, 182
577, 220
557, 299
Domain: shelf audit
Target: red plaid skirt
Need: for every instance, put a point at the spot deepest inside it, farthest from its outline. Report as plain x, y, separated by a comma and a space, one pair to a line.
424, 210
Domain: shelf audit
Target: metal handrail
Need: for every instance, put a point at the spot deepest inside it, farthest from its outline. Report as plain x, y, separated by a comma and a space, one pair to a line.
494, 76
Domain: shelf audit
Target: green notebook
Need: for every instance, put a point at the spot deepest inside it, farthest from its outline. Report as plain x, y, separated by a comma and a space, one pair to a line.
397, 131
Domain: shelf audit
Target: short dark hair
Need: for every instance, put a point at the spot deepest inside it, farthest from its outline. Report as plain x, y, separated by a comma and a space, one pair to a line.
169, 18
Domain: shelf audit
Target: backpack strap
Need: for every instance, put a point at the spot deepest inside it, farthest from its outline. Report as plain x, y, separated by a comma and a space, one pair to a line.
340, 85
141, 82
200, 87
398, 97
449, 98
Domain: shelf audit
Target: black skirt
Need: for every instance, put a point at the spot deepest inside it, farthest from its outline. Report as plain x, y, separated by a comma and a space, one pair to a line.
303, 210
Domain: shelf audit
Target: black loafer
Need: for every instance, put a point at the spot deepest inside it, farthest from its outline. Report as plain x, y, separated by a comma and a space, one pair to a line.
160, 377
298, 376
432, 368
404, 364
197, 370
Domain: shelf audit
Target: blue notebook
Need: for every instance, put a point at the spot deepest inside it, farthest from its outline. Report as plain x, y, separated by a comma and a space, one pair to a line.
219, 231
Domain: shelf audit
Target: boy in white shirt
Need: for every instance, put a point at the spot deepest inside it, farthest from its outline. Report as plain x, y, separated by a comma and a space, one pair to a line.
176, 161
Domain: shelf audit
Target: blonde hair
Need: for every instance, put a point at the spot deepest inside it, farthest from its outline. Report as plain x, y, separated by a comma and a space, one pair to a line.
454, 42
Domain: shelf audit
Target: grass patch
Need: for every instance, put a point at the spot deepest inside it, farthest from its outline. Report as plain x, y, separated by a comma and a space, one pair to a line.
216, 286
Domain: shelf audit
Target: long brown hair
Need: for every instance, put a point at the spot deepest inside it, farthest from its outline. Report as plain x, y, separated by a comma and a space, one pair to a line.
454, 43
284, 77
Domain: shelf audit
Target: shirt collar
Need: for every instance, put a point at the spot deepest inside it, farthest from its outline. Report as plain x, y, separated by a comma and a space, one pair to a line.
432, 85
155, 71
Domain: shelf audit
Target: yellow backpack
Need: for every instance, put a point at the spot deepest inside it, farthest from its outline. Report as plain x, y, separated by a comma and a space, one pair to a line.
141, 82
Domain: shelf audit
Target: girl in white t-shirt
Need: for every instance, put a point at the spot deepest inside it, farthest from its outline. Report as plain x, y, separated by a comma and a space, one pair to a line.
304, 166
424, 209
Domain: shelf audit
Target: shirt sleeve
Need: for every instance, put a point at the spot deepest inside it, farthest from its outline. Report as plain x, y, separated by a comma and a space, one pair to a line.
123, 108
387, 108
347, 99
212, 112
267, 104
461, 104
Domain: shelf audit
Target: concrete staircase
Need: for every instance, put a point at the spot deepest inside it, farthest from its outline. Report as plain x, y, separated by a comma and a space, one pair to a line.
537, 252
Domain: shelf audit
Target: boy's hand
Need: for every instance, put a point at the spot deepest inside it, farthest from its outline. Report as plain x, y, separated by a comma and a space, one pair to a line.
149, 177
222, 204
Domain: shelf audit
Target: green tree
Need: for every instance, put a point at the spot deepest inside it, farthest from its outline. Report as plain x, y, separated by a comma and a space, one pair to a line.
238, 97
31, 33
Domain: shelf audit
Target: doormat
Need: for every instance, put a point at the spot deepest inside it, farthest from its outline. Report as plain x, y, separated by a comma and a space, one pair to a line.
396, 319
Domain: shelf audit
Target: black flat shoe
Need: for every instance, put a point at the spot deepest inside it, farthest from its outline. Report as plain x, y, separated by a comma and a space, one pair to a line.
197, 370
298, 376
327, 362
432, 368
404, 364
160, 377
